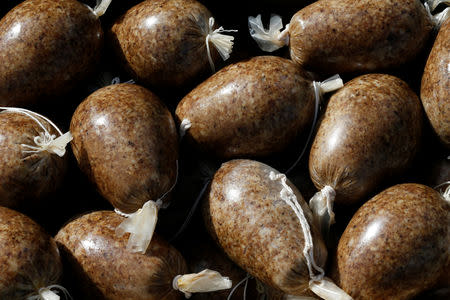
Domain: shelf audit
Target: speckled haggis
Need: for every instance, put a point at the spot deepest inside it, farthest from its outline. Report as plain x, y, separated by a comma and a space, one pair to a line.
125, 140
337, 36
46, 48
370, 131
162, 43
435, 89
26, 178
246, 216
29, 258
250, 109
396, 245
104, 269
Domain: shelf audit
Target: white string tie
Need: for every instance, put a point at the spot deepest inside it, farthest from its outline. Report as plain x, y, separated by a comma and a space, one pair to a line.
328, 85
439, 18
141, 224
322, 203
101, 7
246, 279
271, 39
435, 3
116, 80
44, 141
446, 193
319, 284
46, 293
202, 282
184, 126
288, 196
222, 42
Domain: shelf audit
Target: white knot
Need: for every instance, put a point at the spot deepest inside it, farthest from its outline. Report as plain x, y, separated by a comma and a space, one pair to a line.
47, 142
328, 290
435, 3
331, 84
321, 205
446, 193
141, 226
175, 283
202, 282
46, 293
116, 80
101, 7
184, 126
44, 141
222, 42
439, 18
272, 39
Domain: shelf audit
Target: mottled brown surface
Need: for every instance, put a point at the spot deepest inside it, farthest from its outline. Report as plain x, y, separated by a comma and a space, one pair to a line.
370, 132
396, 245
26, 178
338, 36
257, 229
29, 258
249, 109
435, 88
163, 42
46, 48
125, 140
100, 262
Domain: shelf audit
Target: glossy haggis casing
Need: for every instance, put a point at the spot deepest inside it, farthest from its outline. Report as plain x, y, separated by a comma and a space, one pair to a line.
249, 109
46, 48
103, 268
162, 43
125, 140
396, 245
435, 88
247, 217
26, 178
340, 36
370, 132
29, 257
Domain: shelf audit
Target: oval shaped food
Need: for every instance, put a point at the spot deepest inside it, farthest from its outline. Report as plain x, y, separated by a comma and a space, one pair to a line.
47, 47
339, 36
396, 245
249, 109
26, 177
162, 43
124, 139
369, 133
246, 215
104, 269
29, 257
435, 88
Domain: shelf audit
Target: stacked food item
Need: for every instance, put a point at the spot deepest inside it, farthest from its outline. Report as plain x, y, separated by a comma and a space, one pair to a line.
169, 149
